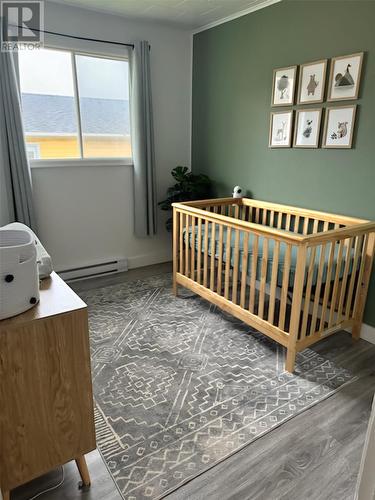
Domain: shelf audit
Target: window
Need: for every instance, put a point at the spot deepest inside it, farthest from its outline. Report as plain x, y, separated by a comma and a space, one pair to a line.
74, 105
33, 151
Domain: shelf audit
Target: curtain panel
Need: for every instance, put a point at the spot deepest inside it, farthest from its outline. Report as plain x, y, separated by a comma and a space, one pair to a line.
13, 158
142, 133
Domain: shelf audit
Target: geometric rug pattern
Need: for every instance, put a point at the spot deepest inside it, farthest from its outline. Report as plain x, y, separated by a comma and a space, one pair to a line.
180, 385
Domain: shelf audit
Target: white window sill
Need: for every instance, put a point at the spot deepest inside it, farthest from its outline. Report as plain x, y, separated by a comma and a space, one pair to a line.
79, 162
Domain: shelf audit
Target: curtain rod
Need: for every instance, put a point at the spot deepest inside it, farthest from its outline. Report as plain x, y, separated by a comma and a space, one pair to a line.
79, 37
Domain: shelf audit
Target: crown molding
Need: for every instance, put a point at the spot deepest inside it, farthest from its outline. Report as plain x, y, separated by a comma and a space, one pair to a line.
260, 5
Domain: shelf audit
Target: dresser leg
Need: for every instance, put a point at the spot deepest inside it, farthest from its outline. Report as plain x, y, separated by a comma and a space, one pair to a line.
83, 470
6, 495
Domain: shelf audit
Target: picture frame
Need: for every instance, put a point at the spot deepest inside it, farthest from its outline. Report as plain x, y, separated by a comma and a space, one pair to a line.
283, 86
312, 81
307, 128
339, 126
345, 77
281, 127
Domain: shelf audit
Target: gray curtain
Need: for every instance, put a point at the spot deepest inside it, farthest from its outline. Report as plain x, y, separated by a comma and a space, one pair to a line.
142, 133
14, 165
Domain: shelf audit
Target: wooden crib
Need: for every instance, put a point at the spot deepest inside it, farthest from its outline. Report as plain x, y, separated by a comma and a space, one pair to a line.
295, 275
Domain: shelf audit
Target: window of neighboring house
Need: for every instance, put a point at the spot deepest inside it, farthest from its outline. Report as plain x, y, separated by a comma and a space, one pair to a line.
33, 151
74, 105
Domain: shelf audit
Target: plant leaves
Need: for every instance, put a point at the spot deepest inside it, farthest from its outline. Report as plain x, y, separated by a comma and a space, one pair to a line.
189, 187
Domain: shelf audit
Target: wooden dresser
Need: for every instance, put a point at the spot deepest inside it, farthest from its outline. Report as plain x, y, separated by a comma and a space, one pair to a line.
46, 402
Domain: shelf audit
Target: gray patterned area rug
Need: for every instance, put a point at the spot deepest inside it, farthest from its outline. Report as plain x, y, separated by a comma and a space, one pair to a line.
179, 385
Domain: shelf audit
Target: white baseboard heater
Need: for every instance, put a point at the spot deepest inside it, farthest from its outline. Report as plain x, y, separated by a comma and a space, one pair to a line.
95, 270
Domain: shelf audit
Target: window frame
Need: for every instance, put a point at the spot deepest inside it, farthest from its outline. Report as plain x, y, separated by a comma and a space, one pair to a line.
79, 162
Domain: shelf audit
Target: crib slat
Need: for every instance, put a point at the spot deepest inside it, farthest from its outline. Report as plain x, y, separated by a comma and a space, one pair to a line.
357, 251
306, 307
227, 263
263, 278
187, 244
325, 225
243, 212
274, 273
213, 251
250, 219
305, 225
181, 243
360, 275
344, 281
235, 266
287, 223
192, 256
272, 218
296, 223
257, 212
327, 286
279, 220
253, 275
318, 288
315, 226
220, 260
336, 284
223, 209
252, 214
264, 217
236, 211
245, 257
205, 255
285, 286
199, 256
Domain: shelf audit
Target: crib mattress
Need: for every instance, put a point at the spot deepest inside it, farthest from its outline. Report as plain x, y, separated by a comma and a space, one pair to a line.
271, 244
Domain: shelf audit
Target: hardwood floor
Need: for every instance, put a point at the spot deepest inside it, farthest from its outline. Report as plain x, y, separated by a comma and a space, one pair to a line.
313, 456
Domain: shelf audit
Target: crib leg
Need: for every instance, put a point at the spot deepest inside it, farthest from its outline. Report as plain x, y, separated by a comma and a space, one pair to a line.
290, 360
6, 495
356, 331
174, 286
175, 249
360, 308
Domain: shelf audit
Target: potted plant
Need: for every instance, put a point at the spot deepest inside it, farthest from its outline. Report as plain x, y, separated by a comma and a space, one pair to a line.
188, 187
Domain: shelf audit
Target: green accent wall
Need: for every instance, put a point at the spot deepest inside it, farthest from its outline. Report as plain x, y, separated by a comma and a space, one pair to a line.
232, 85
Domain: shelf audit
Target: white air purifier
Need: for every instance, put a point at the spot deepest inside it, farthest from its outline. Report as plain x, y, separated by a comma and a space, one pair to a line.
19, 283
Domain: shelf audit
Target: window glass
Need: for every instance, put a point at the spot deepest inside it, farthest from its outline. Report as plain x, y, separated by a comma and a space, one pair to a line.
104, 106
63, 109
48, 105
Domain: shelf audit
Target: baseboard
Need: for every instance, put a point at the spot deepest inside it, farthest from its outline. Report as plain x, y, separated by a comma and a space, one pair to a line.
150, 259
134, 262
368, 333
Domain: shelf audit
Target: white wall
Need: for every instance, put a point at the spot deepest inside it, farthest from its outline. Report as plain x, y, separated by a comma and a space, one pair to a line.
85, 214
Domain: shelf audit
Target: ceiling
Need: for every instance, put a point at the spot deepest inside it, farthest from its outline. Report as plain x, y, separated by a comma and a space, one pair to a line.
190, 14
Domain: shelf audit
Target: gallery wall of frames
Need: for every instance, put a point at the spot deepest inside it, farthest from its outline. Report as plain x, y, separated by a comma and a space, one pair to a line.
302, 127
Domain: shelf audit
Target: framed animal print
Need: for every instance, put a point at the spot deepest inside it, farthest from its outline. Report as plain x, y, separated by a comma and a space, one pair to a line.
283, 86
345, 77
280, 135
312, 79
307, 128
339, 127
